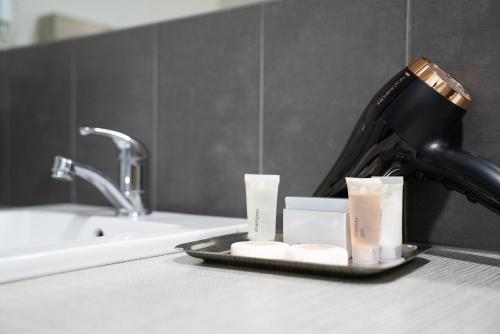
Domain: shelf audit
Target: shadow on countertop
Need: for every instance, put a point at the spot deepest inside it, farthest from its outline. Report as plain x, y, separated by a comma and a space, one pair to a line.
381, 278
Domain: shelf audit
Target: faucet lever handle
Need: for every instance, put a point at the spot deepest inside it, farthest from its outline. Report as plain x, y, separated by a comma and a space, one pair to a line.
122, 141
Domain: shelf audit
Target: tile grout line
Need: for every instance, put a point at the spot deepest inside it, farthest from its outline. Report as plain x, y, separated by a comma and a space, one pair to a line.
73, 126
408, 32
407, 61
7, 136
261, 91
154, 148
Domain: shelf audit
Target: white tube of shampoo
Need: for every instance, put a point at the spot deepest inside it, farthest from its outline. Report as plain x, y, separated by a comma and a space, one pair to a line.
364, 216
262, 198
391, 224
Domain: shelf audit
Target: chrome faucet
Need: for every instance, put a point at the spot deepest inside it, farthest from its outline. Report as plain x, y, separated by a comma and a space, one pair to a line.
129, 198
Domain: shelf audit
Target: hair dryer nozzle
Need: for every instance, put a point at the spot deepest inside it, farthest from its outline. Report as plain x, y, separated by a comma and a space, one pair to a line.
443, 83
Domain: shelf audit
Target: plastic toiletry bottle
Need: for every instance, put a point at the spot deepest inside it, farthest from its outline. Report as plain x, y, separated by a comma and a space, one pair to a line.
262, 198
364, 216
391, 224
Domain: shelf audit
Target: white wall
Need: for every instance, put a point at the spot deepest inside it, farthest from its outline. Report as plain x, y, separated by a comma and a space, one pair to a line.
114, 13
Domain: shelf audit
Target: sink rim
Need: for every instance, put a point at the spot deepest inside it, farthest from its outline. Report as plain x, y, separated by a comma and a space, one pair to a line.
104, 215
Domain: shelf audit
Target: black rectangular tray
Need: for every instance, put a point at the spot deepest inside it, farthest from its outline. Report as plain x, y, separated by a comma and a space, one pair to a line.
218, 250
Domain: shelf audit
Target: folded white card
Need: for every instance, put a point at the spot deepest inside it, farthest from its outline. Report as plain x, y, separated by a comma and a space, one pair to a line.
317, 203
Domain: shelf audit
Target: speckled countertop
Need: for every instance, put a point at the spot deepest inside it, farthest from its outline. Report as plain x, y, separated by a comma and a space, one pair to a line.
442, 291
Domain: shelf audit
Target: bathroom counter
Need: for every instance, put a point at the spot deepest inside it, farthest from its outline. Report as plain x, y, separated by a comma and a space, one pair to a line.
442, 291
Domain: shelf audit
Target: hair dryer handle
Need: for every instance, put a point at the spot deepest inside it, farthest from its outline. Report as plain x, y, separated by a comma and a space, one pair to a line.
477, 178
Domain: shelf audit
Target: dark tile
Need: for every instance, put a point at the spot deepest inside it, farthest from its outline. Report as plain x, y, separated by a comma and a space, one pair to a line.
452, 16
323, 62
39, 103
465, 43
114, 90
208, 111
440, 217
4, 130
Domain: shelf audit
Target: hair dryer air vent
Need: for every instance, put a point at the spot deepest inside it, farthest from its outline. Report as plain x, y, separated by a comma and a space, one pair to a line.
442, 82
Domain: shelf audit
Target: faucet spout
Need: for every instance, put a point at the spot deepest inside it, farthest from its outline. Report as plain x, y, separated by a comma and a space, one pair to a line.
66, 169
129, 197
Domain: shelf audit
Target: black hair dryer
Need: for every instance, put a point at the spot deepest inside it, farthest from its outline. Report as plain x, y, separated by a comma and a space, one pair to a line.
405, 130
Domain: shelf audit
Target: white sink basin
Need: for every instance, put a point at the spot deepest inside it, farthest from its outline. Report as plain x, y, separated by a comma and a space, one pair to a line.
43, 240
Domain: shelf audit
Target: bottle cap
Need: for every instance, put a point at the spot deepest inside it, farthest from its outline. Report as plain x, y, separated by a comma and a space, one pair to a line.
365, 255
390, 253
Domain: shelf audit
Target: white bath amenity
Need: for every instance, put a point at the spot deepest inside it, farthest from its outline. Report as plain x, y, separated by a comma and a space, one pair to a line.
318, 253
260, 249
364, 216
391, 224
317, 204
315, 220
262, 198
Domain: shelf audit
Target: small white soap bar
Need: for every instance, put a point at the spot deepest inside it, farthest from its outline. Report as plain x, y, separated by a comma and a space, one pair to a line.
317, 253
260, 249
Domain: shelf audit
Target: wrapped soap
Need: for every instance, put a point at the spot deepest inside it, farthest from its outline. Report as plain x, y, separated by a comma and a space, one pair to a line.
316, 220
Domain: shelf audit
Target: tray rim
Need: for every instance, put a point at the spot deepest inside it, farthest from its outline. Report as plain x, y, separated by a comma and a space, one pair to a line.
350, 270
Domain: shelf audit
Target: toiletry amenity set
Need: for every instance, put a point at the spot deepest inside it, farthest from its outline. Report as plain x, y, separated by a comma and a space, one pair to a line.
367, 225
358, 236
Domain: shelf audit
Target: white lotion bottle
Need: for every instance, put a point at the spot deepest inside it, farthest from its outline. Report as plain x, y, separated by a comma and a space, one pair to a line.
391, 222
262, 199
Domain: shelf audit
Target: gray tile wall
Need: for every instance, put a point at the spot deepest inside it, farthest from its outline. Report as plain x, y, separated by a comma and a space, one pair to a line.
39, 122
318, 76
114, 89
463, 37
272, 88
208, 111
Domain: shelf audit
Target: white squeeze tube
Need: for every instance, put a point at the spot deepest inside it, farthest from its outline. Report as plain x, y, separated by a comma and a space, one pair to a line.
364, 216
262, 198
391, 224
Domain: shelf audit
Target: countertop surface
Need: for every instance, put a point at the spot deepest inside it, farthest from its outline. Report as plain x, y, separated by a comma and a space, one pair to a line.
442, 291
